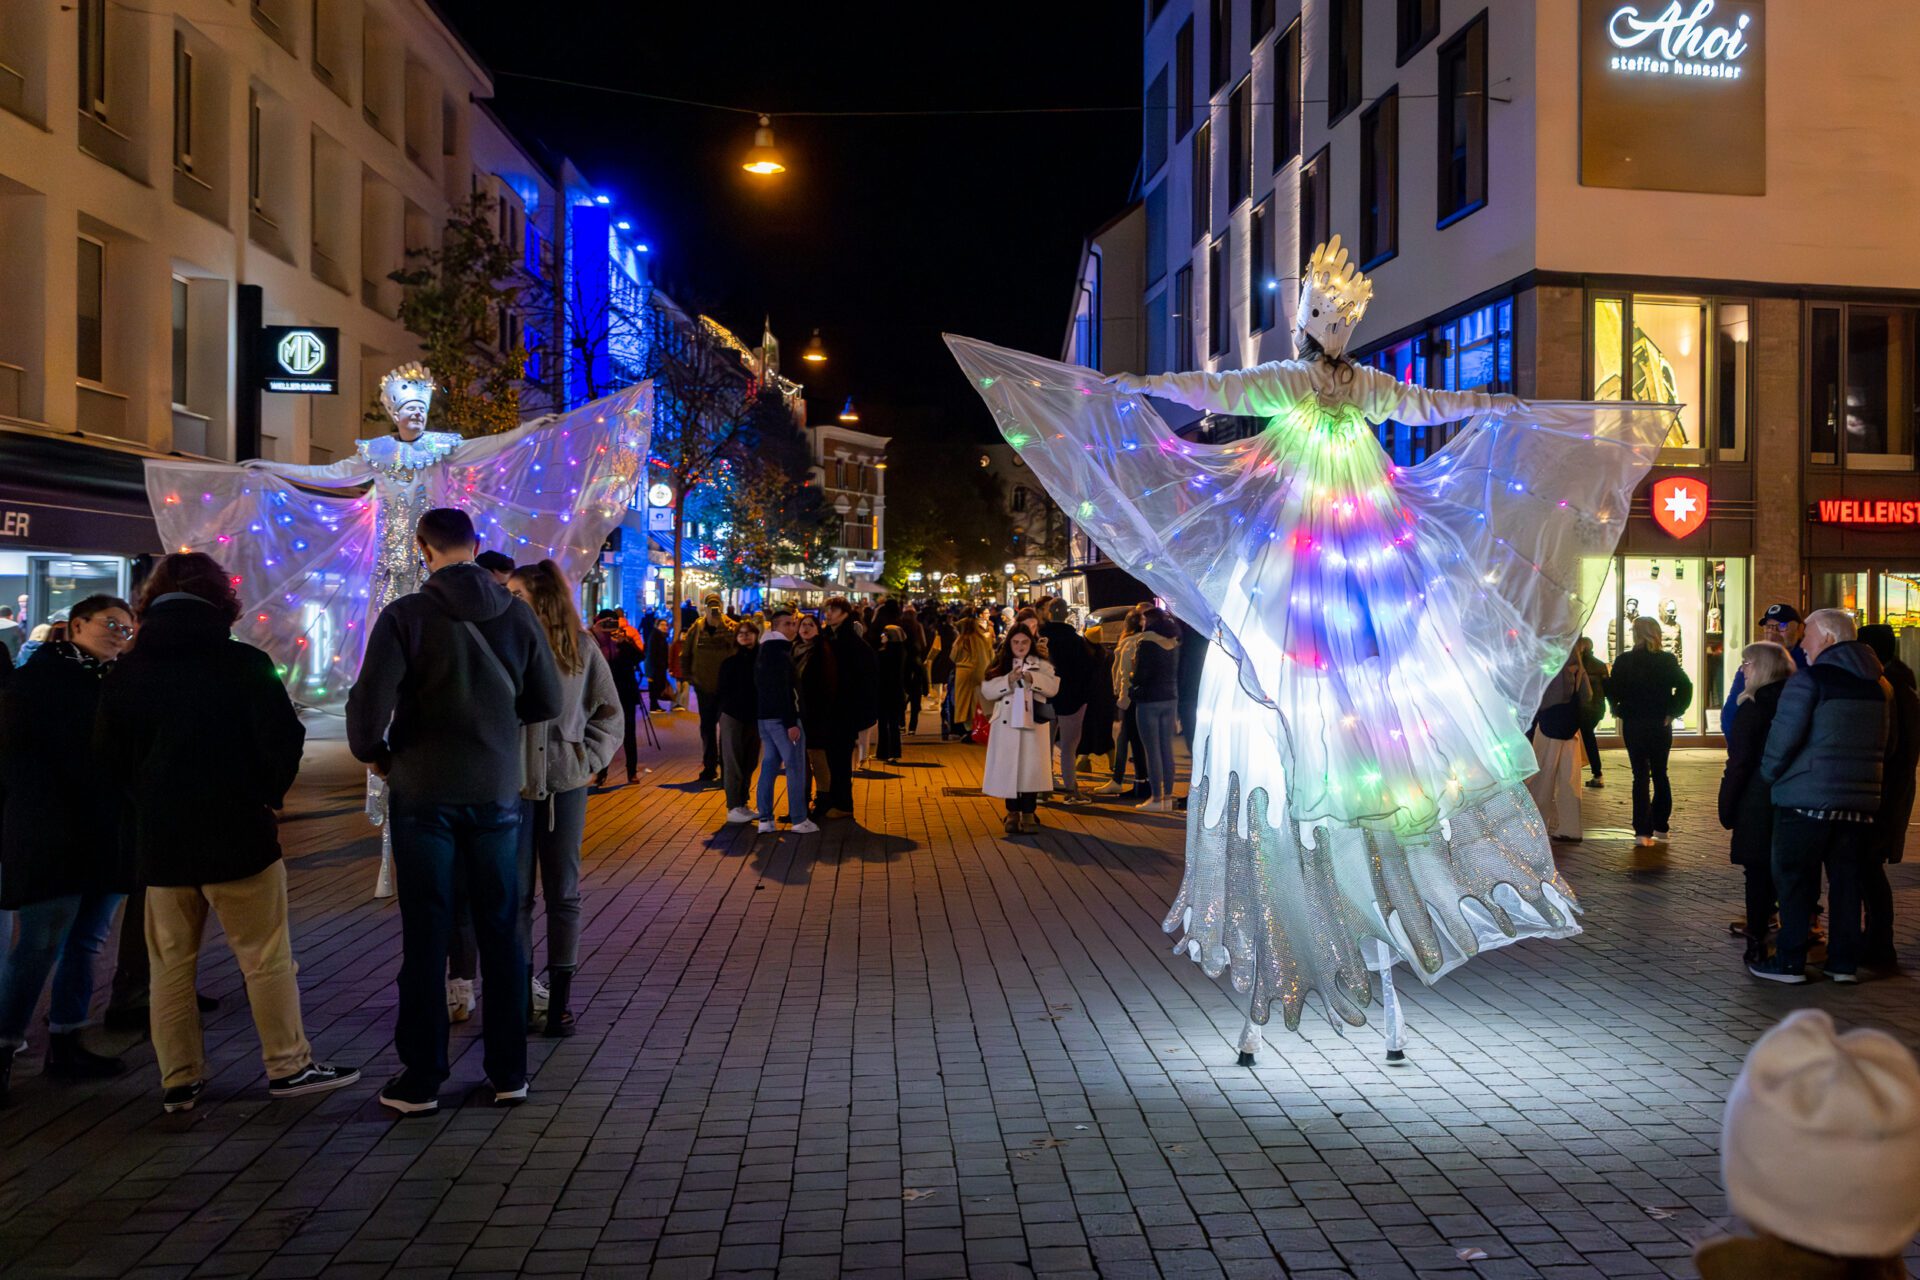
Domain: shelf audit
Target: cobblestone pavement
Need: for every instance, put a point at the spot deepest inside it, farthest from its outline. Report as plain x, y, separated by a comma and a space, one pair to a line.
914, 1047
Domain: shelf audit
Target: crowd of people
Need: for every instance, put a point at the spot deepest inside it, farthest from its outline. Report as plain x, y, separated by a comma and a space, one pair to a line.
1822, 729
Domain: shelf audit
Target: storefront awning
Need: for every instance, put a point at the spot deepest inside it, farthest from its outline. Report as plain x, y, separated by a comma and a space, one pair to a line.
62, 495
786, 582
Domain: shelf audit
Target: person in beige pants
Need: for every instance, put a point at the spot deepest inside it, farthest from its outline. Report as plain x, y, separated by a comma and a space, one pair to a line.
197, 732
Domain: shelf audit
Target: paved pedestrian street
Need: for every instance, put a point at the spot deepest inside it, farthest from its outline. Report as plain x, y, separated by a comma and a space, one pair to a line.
915, 1047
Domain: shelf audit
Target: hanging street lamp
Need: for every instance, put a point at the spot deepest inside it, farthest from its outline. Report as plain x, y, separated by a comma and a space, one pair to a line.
816, 352
763, 158
848, 413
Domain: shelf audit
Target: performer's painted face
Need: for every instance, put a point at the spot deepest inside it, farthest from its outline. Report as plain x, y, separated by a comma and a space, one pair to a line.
407, 398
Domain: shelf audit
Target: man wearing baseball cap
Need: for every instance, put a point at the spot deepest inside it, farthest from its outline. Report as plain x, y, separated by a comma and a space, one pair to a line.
1782, 624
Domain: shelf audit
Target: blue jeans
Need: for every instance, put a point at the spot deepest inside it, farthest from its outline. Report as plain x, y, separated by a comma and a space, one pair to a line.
429, 840
69, 930
777, 753
1156, 735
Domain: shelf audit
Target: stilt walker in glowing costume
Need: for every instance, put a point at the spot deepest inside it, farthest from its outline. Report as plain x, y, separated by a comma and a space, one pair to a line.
315, 569
1381, 637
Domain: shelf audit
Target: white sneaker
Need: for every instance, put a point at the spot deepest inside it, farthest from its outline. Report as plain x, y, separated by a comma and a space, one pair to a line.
766, 828
1156, 804
539, 995
1114, 789
804, 827
741, 815
459, 999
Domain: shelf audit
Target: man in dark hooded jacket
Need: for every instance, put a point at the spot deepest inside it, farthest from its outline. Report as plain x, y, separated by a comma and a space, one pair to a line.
1825, 761
451, 674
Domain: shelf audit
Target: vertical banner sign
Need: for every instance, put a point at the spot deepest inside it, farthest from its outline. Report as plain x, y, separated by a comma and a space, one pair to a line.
1673, 95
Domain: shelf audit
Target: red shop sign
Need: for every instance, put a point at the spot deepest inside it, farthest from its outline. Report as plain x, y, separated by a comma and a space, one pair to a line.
1846, 511
1680, 504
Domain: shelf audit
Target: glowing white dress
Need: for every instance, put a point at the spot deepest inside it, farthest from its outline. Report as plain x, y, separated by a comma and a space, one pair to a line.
1381, 637
314, 569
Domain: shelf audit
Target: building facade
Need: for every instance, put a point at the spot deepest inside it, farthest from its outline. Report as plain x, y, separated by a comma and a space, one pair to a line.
850, 466
1584, 199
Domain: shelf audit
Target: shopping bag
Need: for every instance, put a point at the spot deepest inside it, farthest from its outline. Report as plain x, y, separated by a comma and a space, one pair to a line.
981, 727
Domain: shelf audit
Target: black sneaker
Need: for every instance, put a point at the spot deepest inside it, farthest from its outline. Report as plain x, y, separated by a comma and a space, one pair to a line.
182, 1097
509, 1095
1773, 971
1595, 783
410, 1097
315, 1077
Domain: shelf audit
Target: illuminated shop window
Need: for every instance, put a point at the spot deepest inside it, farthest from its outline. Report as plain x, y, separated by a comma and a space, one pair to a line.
1861, 402
1694, 352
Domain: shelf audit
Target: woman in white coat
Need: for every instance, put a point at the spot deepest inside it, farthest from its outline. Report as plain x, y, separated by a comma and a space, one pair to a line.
1019, 759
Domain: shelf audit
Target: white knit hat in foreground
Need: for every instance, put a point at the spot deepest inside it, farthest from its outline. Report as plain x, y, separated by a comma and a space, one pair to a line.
1821, 1145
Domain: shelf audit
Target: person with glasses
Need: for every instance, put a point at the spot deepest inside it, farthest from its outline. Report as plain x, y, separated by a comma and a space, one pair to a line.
61, 873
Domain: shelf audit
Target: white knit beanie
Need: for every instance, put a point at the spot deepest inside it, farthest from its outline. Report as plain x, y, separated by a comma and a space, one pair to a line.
1821, 1145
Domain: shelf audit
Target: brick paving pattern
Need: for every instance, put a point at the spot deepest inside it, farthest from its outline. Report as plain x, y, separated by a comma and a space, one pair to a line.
914, 1047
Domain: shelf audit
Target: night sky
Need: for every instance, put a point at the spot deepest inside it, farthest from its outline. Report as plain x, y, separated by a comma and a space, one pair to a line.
884, 231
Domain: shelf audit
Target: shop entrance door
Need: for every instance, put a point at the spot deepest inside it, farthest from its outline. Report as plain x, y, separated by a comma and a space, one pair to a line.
1702, 607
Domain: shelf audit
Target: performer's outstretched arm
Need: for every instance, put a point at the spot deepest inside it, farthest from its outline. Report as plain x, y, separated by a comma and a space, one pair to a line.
348, 471
1382, 397
1261, 391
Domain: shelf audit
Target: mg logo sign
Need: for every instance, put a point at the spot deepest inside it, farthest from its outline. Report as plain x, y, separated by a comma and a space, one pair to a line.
302, 353
302, 359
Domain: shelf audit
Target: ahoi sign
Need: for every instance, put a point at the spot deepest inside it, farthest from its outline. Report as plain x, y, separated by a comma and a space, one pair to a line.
1678, 41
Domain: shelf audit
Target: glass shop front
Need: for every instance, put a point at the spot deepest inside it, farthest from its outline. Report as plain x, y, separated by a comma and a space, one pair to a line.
1704, 606
1888, 593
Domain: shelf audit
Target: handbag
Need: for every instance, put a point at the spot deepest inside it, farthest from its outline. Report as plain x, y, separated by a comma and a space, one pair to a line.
982, 727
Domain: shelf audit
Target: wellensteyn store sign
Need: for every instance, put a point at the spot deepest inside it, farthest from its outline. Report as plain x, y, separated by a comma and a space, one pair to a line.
1673, 95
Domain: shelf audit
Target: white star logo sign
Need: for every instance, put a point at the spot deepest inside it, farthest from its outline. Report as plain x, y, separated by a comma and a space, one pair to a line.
1681, 506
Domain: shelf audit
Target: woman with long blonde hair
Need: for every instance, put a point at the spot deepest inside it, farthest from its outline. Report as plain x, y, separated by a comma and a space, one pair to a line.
562, 756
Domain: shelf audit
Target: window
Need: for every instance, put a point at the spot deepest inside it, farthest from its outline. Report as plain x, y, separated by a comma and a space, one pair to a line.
1653, 350
1154, 125
1314, 216
1240, 144
93, 57
1219, 298
255, 188
1183, 319
1286, 96
1159, 231
1219, 47
1262, 20
180, 342
182, 103
1463, 122
1202, 180
1878, 360
1263, 291
1732, 378
1183, 80
1020, 499
1380, 179
1418, 22
1823, 384
1157, 335
1343, 58
90, 293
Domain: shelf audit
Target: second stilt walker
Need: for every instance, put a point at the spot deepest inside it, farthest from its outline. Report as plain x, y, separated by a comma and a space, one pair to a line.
1381, 637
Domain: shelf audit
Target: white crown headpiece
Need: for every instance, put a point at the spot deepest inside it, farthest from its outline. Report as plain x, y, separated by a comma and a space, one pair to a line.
1333, 297
411, 381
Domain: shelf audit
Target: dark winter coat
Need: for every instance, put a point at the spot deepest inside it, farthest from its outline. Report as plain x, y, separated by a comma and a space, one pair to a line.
707, 646
736, 694
59, 826
1156, 669
944, 636
1564, 702
1597, 686
892, 665
1096, 729
857, 705
1827, 747
195, 729
623, 659
1068, 651
1648, 684
433, 709
774, 680
657, 663
819, 686
1746, 802
1903, 758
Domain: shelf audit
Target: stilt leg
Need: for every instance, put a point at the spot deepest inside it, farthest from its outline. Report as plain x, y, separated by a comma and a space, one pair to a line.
1392, 1026
1250, 1039
383, 883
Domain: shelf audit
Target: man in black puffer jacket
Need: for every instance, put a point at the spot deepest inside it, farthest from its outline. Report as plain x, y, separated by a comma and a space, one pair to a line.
1825, 761
452, 672
1072, 660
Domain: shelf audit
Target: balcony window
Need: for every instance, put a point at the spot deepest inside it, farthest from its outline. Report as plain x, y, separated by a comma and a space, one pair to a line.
1240, 144
1417, 22
1219, 298
1343, 58
1202, 191
1219, 46
182, 104
1380, 180
1263, 290
93, 57
1183, 80
1183, 319
90, 293
1262, 20
1462, 116
1315, 217
1286, 96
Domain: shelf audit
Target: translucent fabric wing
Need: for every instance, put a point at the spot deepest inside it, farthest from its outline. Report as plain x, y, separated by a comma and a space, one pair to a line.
1390, 628
299, 560
553, 489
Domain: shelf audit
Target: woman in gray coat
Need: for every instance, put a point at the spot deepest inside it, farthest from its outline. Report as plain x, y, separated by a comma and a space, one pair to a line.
562, 756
